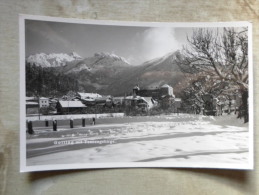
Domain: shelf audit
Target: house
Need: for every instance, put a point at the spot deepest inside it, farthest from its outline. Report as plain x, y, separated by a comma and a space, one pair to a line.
64, 107
118, 101
104, 101
88, 96
164, 95
88, 102
149, 101
37, 102
32, 102
32, 105
43, 102
155, 93
53, 102
140, 102
166, 90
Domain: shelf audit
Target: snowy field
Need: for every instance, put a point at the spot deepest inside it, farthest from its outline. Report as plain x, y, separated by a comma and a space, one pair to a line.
170, 138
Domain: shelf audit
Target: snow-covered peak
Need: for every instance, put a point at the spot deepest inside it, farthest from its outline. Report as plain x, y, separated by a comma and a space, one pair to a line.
109, 55
76, 56
53, 59
39, 60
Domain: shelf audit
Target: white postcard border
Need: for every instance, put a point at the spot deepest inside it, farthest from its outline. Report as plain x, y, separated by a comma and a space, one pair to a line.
25, 168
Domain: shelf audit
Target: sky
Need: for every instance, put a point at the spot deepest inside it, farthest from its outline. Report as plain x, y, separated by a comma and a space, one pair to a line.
135, 44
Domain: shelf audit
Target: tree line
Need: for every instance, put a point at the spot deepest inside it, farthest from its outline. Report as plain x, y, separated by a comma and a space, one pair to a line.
48, 82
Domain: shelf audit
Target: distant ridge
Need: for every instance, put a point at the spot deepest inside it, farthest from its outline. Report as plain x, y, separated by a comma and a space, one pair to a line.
109, 74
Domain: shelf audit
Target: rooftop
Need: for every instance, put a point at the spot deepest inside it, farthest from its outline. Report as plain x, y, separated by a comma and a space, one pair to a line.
89, 95
72, 104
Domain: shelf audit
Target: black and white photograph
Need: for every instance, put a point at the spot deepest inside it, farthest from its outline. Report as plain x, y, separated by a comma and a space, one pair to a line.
110, 94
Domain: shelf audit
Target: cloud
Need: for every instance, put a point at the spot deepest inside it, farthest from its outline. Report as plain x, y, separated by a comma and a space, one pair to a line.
156, 42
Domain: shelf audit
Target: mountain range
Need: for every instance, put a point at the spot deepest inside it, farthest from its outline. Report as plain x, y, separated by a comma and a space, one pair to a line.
109, 74
52, 60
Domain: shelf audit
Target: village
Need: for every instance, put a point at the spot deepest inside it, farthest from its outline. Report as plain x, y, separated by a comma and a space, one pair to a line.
76, 107
141, 101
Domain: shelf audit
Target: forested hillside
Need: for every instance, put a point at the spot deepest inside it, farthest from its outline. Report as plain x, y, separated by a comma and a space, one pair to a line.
48, 82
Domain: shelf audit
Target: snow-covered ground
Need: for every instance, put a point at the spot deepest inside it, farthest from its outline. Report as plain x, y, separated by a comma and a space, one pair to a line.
171, 138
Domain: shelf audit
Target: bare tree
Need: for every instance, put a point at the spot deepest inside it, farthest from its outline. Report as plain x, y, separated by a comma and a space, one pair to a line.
221, 54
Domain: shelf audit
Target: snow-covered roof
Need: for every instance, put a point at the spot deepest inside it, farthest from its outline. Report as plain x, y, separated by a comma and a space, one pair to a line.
30, 98
104, 98
31, 103
166, 86
53, 101
131, 97
150, 101
43, 98
88, 100
89, 95
147, 98
71, 104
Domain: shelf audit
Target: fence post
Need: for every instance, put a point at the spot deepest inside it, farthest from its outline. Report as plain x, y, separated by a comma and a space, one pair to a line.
71, 123
30, 128
46, 123
55, 125
83, 122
